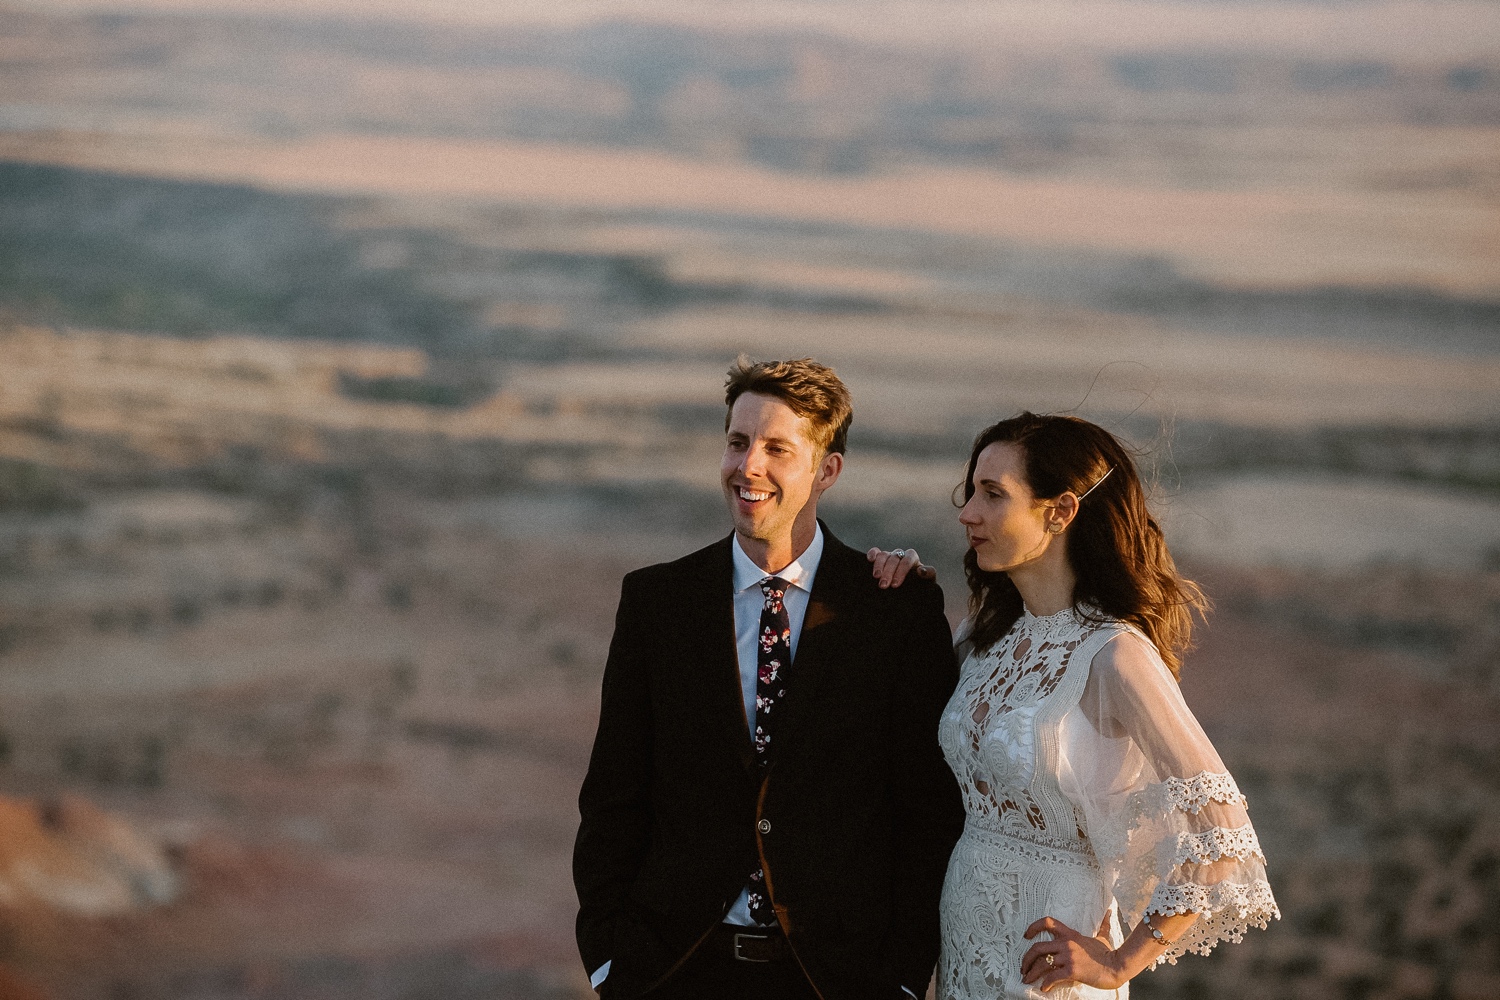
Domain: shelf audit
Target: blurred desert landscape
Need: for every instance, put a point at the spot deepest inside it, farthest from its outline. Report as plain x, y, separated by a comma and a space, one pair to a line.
350, 352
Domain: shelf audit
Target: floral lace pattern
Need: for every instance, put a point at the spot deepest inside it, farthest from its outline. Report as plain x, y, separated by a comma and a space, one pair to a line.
991, 741
1023, 854
1192, 794
1215, 844
1151, 857
995, 886
1158, 800
1226, 910
1101, 848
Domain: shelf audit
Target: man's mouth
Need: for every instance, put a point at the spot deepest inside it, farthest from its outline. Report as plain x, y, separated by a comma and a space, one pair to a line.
752, 496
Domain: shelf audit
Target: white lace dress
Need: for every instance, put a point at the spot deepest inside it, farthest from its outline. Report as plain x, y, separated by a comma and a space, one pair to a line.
1092, 796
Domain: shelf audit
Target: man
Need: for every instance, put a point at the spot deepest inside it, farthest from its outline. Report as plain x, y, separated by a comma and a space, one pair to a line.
767, 813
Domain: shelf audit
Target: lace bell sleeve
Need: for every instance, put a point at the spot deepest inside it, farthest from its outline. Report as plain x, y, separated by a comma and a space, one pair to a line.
1166, 820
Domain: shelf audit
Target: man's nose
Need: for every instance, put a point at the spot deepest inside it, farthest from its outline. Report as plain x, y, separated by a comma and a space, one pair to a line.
753, 462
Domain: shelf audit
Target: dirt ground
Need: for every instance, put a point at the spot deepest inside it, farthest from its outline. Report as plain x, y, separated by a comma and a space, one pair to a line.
356, 701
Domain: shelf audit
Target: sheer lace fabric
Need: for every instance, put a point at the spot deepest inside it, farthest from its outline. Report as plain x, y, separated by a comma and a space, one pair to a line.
1092, 796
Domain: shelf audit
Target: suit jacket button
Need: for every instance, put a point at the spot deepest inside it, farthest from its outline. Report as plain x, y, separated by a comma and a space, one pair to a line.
764, 826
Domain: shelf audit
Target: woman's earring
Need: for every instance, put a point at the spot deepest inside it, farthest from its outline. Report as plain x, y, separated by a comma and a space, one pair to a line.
1055, 528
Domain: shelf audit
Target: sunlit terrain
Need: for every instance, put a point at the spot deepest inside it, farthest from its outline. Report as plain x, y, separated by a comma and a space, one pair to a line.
348, 357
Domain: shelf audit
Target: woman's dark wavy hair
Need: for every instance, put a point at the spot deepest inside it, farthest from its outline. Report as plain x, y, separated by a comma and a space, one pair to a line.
1115, 546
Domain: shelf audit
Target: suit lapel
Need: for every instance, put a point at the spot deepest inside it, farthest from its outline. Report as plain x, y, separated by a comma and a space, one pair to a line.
719, 655
824, 624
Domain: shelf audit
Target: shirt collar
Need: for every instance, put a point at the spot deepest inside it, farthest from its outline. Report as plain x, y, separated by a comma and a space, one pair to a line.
799, 573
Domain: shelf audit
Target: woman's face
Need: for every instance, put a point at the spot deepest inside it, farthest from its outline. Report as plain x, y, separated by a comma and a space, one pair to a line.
1005, 523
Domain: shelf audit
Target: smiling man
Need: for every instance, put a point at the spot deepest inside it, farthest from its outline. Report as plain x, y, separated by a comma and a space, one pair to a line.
767, 813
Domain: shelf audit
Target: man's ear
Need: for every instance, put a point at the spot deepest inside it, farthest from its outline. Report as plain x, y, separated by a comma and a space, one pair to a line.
829, 468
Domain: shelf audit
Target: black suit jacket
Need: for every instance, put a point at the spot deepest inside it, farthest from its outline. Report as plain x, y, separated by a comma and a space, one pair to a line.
862, 809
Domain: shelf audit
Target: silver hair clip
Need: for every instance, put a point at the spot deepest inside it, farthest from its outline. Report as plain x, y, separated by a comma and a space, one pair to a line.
1096, 485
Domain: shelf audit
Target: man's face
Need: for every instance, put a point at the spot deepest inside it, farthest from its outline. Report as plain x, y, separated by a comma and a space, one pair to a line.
772, 470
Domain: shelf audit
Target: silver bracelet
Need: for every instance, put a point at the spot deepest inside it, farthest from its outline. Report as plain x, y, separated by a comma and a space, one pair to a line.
1160, 937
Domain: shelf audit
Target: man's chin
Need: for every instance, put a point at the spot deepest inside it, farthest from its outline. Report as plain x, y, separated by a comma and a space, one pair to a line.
746, 527
750, 526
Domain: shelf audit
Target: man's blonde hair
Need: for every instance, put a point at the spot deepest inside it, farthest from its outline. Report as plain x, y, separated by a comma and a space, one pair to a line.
809, 389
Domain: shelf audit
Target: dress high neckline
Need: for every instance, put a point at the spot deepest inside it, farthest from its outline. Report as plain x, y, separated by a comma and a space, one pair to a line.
1063, 617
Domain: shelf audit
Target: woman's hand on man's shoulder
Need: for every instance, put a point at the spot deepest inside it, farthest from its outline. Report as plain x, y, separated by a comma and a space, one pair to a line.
890, 567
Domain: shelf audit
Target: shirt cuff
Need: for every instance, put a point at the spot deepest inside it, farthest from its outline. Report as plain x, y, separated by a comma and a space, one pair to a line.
601, 973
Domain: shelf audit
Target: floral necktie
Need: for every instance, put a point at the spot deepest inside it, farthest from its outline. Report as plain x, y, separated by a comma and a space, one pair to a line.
774, 654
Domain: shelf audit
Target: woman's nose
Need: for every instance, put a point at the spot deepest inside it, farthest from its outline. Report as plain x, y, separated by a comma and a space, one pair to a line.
966, 516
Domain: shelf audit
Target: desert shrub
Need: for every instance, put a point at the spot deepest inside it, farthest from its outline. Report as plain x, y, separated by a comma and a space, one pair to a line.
187, 610
269, 593
35, 488
397, 594
423, 392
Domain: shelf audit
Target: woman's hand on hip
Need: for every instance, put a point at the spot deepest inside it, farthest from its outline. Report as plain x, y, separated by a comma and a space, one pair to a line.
1070, 957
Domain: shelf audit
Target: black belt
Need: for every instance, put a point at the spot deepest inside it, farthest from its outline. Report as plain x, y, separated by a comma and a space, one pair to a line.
748, 944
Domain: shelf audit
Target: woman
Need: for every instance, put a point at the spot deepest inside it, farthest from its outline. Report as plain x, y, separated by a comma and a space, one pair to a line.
1104, 834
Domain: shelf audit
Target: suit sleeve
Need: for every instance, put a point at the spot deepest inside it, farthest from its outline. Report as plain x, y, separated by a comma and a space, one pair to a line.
614, 803
927, 810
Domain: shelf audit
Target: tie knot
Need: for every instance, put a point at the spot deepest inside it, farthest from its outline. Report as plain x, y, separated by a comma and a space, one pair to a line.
774, 587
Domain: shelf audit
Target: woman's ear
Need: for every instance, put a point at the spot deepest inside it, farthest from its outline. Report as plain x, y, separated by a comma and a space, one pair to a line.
1060, 513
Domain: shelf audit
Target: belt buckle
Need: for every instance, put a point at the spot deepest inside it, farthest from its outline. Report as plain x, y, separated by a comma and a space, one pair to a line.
741, 936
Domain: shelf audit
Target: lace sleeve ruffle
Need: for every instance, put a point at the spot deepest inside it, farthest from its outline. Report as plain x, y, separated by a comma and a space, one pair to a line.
1167, 822
1166, 852
1226, 910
